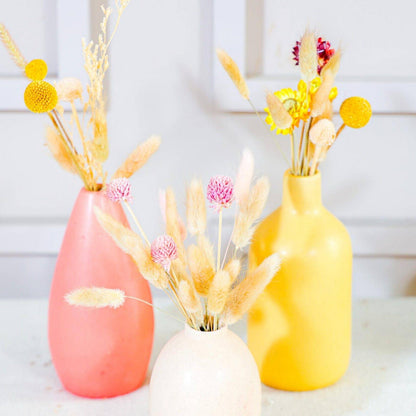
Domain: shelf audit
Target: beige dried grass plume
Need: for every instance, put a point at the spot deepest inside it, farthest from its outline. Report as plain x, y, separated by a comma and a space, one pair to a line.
173, 224
138, 157
218, 292
202, 270
96, 297
308, 57
131, 244
320, 99
280, 116
233, 267
58, 150
196, 212
12, 47
243, 296
234, 73
250, 213
190, 299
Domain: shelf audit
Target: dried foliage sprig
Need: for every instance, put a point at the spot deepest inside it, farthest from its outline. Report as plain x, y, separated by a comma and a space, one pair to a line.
294, 112
12, 48
207, 293
84, 149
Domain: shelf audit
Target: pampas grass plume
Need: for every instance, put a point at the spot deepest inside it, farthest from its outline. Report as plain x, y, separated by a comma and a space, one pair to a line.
332, 66
190, 299
308, 58
201, 269
233, 267
280, 116
96, 297
244, 177
218, 292
243, 296
131, 244
243, 229
138, 157
58, 150
234, 73
173, 223
321, 97
196, 211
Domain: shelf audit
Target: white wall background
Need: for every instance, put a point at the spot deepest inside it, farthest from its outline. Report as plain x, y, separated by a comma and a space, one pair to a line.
156, 87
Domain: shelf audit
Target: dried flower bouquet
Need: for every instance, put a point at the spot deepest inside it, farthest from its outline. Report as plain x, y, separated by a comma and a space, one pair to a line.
88, 129
308, 109
210, 292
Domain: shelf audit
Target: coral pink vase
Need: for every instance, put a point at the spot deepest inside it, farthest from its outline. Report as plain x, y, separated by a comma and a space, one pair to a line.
98, 352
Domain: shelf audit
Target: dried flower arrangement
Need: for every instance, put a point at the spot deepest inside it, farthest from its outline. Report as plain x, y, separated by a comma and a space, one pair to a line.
90, 128
309, 106
209, 292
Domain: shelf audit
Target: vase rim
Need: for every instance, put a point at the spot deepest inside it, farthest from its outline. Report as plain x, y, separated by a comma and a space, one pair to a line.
202, 334
84, 189
317, 175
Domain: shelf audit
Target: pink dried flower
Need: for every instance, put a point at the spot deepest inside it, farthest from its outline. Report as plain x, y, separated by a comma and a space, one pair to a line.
163, 251
323, 50
220, 192
119, 190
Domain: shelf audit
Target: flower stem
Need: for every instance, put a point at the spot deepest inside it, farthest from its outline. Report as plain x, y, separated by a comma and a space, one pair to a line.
136, 221
292, 152
267, 128
83, 141
70, 152
339, 131
154, 307
219, 239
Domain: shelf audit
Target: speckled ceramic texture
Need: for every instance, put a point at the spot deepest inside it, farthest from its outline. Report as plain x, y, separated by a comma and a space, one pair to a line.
205, 374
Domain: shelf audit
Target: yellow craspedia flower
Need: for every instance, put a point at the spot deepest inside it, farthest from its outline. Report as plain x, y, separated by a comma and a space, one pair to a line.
40, 97
36, 70
355, 112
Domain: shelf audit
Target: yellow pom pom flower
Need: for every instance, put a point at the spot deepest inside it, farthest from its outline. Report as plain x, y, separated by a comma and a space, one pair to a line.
355, 112
296, 102
40, 97
36, 70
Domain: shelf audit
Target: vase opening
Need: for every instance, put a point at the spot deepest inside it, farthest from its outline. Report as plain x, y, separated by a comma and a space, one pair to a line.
99, 186
203, 334
302, 193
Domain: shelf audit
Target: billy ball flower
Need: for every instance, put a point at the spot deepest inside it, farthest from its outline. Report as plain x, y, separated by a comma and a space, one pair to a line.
163, 251
355, 112
36, 70
119, 190
220, 191
40, 97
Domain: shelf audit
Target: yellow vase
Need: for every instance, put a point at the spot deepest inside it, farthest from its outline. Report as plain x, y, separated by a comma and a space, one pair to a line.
299, 330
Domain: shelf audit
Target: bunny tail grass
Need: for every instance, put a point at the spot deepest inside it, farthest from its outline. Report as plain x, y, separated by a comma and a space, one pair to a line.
243, 296
96, 297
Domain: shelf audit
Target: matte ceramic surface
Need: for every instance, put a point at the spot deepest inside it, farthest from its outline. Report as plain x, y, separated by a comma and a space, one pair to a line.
299, 330
205, 374
98, 352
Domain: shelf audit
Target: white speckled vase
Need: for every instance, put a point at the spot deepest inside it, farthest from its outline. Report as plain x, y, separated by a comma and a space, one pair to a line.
205, 374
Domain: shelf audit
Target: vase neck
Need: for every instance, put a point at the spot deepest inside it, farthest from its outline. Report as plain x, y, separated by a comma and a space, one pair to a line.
205, 335
302, 193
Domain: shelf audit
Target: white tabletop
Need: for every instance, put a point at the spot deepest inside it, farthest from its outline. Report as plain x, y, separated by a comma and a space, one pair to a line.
381, 380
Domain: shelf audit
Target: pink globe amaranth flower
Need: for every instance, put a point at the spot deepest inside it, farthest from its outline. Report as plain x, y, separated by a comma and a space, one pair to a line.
163, 251
119, 190
323, 50
220, 192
